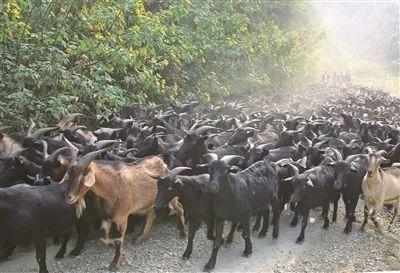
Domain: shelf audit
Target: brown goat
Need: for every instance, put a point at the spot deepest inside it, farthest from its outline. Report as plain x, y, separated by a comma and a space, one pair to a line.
8, 146
175, 207
126, 189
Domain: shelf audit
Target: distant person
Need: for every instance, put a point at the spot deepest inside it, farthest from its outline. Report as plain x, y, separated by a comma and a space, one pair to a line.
325, 78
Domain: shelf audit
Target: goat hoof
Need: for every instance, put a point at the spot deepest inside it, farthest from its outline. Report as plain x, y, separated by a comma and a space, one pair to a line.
185, 256
59, 256
256, 228
229, 240
114, 267
182, 234
293, 223
299, 240
74, 253
325, 227
347, 230
262, 234
275, 235
208, 267
247, 254
211, 237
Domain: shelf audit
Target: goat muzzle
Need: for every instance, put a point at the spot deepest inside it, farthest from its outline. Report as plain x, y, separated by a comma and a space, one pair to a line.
71, 199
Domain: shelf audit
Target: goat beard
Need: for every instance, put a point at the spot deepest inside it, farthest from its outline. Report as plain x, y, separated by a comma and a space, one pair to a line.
80, 206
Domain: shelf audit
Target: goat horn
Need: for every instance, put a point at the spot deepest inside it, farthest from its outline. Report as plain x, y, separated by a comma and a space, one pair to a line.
319, 144
104, 143
36, 135
249, 122
74, 149
85, 161
175, 171
57, 152
338, 155
367, 150
295, 169
210, 157
382, 153
45, 149
31, 126
203, 129
127, 151
229, 158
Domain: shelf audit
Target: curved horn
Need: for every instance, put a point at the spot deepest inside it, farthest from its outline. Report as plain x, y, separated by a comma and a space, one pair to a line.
101, 144
85, 161
367, 150
31, 126
37, 134
57, 152
250, 122
232, 158
382, 153
210, 157
338, 155
45, 149
127, 151
175, 171
73, 148
203, 129
319, 144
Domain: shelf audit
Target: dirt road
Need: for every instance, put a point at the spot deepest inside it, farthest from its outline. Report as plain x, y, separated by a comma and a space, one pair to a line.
322, 251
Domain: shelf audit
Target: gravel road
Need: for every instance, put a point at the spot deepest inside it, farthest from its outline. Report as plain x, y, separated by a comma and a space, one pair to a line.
322, 251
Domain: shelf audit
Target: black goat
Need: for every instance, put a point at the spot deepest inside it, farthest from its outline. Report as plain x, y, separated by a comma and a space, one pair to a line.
236, 196
31, 214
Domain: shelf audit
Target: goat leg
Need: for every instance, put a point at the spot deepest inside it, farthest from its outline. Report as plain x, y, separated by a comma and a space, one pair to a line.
210, 229
295, 219
150, 216
374, 219
41, 255
64, 241
256, 226
325, 211
229, 239
248, 249
306, 212
121, 229
395, 215
193, 227
350, 211
362, 228
335, 208
219, 228
83, 232
275, 218
264, 229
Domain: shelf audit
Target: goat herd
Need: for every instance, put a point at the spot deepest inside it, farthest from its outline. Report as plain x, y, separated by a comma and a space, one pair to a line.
206, 163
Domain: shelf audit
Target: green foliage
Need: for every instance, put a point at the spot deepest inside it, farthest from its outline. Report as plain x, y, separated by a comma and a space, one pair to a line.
94, 56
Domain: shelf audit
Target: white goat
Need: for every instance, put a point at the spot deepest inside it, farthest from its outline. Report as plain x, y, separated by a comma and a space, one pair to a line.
380, 186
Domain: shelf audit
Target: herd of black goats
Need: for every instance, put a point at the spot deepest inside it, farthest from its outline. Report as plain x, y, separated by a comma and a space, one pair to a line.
206, 163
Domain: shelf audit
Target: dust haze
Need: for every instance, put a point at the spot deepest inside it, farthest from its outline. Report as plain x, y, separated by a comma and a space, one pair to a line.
362, 38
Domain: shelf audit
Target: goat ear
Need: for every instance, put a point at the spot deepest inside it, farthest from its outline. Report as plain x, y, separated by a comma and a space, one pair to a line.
331, 164
310, 183
321, 151
90, 179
